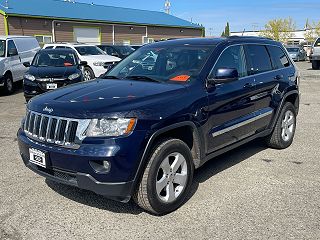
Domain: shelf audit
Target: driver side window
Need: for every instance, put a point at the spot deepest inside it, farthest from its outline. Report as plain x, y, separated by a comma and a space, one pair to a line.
232, 57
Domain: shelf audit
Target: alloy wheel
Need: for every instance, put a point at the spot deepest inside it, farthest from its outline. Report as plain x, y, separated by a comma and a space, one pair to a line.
288, 125
9, 85
87, 75
172, 177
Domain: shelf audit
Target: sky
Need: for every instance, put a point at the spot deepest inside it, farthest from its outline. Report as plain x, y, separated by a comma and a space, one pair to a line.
241, 14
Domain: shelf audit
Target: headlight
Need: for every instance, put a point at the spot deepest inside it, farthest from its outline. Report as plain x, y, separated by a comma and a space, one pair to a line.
110, 127
98, 63
29, 77
74, 76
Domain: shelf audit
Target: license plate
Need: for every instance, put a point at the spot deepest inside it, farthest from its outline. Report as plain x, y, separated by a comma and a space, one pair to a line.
51, 86
37, 157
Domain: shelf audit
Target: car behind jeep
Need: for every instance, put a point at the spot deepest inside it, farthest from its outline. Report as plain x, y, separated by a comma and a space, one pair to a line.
142, 129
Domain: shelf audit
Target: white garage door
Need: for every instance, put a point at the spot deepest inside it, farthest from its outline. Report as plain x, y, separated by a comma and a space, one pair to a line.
87, 35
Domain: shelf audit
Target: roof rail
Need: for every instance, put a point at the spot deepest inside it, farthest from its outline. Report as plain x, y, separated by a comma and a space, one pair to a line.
254, 37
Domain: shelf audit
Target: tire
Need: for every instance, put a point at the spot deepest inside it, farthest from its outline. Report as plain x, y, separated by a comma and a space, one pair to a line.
284, 130
160, 178
8, 84
315, 65
88, 74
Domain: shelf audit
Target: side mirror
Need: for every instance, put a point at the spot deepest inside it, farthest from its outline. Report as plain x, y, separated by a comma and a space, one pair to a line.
115, 54
26, 64
12, 52
224, 75
109, 66
83, 63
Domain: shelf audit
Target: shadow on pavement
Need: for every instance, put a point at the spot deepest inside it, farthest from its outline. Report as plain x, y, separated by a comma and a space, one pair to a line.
201, 175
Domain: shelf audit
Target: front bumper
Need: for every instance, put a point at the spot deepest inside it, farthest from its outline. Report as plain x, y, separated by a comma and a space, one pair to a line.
34, 88
72, 166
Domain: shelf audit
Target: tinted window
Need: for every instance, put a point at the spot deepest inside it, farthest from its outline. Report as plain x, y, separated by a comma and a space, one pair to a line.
279, 58
293, 49
89, 50
11, 46
259, 58
317, 43
232, 57
110, 50
61, 47
2, 48
49, 47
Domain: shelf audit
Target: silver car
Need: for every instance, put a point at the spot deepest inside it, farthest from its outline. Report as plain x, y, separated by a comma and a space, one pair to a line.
297, 53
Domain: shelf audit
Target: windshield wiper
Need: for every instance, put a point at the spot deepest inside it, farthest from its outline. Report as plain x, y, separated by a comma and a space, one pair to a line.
143, 78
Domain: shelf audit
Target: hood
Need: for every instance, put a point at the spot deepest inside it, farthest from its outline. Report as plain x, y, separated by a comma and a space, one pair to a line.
102, 98
52, 72
100, 58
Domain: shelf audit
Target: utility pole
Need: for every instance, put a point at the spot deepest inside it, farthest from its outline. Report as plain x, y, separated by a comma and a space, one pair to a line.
167, 6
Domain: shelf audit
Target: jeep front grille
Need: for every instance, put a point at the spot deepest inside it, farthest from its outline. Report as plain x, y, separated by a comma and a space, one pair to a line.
61, 131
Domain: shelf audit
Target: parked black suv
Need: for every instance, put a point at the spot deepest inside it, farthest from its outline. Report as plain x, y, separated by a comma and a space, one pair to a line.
141, 130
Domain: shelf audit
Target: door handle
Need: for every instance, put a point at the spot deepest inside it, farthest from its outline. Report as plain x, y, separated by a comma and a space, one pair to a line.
249, 85
278, 77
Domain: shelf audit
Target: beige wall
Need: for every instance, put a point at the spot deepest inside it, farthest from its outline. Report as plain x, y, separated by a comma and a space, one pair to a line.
2, 26
64, 30
158, 33
29, 26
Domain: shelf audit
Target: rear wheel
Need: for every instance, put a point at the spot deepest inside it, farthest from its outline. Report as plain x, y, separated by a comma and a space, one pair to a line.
8, 84
284, 130
88, 74
167, 178
315, 65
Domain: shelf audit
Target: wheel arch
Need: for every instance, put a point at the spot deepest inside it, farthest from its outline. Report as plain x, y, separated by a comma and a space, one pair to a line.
190, 136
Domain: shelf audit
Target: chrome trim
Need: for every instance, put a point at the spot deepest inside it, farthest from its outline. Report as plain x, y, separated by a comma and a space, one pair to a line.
82, 125
50, 80
228, 129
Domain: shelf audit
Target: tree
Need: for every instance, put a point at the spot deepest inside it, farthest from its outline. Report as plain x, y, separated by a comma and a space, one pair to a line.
312, 31
223, 34
227, 30
279, 29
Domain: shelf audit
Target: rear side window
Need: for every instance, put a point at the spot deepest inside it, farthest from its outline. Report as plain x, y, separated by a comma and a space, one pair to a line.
49, 47
12, 50
278, 57
232, 57
317, 43
259, 59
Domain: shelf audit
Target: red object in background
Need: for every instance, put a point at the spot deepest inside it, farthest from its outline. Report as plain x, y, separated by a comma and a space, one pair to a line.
66, 64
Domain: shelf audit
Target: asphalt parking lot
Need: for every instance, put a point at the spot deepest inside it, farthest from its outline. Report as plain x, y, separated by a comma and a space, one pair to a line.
249, 193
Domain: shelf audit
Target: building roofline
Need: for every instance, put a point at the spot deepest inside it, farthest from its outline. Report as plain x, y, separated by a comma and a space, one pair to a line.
99, 21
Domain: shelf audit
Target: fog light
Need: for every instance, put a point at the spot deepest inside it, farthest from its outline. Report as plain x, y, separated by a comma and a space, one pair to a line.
100, 166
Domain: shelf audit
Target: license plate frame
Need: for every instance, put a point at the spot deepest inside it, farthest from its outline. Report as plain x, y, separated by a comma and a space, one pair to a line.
38, 157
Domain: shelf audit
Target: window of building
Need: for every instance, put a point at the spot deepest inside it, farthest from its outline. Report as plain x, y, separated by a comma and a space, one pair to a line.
44, 39
278, 57
232, 57
259, 59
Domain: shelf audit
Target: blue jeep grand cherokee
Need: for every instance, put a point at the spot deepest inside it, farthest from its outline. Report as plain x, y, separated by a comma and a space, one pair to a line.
141, 129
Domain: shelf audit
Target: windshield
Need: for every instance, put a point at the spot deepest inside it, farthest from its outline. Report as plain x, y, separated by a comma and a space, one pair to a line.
89, 50
51, 59
2, 48
124, 50
293, 49
176, 63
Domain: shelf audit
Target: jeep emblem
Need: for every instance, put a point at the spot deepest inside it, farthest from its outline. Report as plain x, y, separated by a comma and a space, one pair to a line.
46, 109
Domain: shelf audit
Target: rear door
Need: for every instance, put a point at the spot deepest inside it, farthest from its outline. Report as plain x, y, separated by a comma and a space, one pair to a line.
266, 79
230, 108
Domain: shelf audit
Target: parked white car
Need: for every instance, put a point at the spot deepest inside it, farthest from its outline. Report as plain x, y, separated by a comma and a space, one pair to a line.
14, 51
96, 58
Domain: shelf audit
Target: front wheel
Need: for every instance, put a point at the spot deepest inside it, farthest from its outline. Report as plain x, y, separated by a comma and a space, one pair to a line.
8, 84
284, 130
167, 178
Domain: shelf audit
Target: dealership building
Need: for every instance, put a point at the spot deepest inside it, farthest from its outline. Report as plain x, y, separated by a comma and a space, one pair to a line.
71, 21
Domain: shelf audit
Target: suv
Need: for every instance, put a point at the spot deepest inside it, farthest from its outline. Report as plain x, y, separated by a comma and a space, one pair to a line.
315, 55
97, 60
140, 132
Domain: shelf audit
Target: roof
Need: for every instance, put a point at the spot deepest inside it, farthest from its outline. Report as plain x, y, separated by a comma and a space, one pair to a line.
14, 36
70, 10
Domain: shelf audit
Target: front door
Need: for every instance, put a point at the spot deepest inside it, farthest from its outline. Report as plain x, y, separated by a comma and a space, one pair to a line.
14, 61
230, 107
